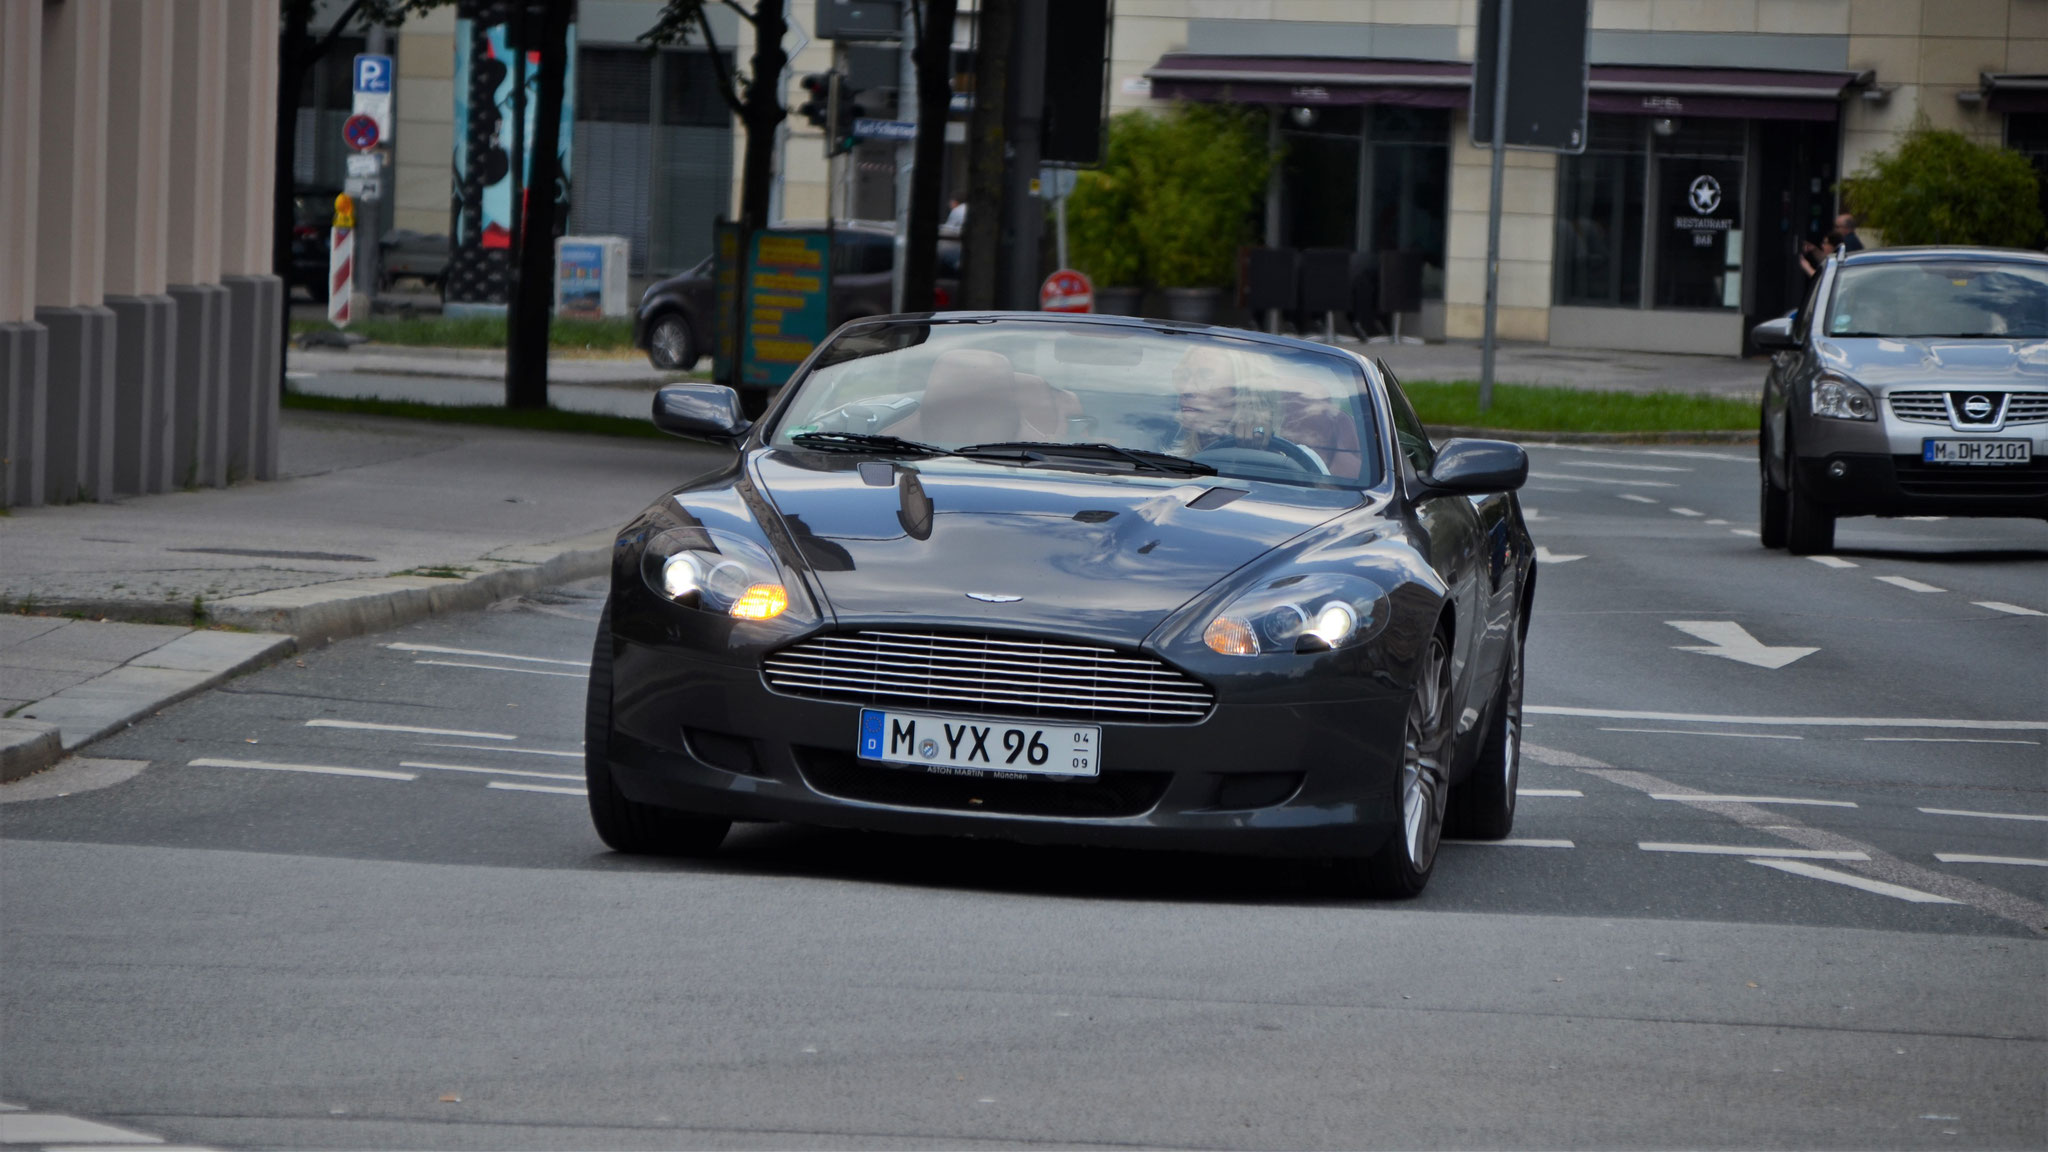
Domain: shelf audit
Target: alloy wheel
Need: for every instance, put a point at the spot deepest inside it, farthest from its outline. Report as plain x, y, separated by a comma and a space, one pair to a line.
1423, 775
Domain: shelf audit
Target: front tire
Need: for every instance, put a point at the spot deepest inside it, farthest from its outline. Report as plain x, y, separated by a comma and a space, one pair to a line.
627, 825
670, 343
1809, 525
1402, 866
1483, 807
1771, 500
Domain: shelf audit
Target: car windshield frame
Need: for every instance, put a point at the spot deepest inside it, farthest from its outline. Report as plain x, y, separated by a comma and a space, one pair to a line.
1125, 398
1987, 298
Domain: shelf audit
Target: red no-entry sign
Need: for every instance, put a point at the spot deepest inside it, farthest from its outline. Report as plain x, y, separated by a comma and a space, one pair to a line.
1066, 291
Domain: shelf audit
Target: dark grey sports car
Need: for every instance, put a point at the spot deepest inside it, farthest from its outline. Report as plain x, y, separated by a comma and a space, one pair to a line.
1072, 580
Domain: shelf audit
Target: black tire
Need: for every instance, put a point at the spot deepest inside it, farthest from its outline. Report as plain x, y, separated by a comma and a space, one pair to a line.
1809, 525
671, 344
1483, 807
626, 825
1402, 866
1771, 499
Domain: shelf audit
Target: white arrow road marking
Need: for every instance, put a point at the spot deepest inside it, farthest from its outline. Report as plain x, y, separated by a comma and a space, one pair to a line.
1732, 641
1908, 583
1832, 562
1896, 891
2012, 609
1969, 858
1546, 556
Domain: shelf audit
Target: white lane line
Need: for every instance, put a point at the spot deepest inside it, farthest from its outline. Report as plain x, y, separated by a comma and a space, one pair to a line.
1519, 792
1751, 532
1601, 480
1687, 512
537, 788
1685, 732
1739, 850
22, 1127
1985, 815
502, 668
1973, 858
1699, 798
1908, 583
1636, 498
495, 748
2010, 609
1628, 467
1850, 879
1673, 453
1833, 562
1546, 556
1718, 523
1924, 519
322, 769
1945, 740
366, 726
490, 771
1790, 721
440, 651
1515, 843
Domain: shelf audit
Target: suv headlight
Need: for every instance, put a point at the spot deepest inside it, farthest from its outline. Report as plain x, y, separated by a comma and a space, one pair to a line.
717, 571
1839, 398
1303, 612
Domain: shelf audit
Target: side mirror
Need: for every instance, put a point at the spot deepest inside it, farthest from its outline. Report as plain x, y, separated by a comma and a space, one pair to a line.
1774, 334
1479, 466
700, 412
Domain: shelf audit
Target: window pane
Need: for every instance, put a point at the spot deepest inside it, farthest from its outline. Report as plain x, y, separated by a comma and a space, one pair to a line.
1699, 232
1600, 229
689, 90
1410, 187
613, 85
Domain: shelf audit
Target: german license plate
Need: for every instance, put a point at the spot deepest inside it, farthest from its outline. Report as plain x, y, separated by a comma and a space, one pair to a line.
1976, 451
979, 744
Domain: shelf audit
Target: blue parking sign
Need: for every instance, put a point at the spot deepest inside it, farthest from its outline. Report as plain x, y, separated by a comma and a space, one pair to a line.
373, 73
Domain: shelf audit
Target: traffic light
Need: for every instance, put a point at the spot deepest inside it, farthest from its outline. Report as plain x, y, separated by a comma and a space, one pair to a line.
839, 125
820, 89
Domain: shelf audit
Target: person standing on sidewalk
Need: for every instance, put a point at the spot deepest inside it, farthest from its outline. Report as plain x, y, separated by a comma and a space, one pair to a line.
1845, 227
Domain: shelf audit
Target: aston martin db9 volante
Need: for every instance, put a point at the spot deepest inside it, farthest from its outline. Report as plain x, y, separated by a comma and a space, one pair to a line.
1914, 382
1071, 580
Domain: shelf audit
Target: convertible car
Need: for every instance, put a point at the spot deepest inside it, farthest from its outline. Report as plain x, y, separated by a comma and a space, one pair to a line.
1071, 580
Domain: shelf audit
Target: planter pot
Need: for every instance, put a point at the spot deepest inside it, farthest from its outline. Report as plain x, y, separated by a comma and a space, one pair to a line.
1119, 301
1194, 305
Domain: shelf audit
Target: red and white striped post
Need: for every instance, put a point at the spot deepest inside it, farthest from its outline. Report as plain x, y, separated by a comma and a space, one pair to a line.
341, 261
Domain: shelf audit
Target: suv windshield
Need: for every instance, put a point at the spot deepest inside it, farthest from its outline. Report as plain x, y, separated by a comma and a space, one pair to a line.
1934, 298
1239, 407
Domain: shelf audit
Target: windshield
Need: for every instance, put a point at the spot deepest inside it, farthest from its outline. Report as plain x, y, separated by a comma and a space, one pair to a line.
1941, 298
1239, 407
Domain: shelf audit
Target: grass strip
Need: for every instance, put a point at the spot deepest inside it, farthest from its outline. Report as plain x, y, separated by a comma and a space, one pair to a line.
565, 333
1534, 408
528, 419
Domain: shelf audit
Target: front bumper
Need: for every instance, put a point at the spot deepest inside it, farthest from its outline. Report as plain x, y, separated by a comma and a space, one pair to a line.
1273, 770
1874, 468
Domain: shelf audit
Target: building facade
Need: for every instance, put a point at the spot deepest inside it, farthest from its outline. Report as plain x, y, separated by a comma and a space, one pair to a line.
141, 330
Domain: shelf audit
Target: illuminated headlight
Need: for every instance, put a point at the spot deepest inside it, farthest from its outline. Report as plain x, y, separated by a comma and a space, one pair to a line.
1315, 612
1840, 399
716, 571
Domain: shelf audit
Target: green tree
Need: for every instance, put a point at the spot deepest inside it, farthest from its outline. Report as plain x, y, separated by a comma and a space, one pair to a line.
1176, 196
1941, 187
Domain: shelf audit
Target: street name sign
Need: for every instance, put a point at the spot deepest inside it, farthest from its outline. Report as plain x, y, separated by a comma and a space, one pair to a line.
866, 129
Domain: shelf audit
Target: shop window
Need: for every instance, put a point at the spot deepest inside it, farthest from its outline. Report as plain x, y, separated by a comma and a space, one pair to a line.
1698, 216
1655, 199
1600, 216
1411, 167
1320, 176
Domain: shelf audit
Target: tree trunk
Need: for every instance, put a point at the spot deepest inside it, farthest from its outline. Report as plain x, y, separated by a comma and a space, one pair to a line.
980, 255
934, 104
526, 329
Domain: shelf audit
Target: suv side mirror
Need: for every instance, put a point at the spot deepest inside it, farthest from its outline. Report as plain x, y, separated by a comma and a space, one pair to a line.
1478, 466
1774, 334
700, 412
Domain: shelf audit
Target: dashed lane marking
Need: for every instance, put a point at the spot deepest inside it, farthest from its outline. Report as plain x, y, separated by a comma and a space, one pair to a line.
502, 668
1673, 453
20, 1126
1790, 721
1687, 512
1718, 523
1628, 467
500, 784
1908, 583
1514, 843
1833, 562
1972, 858
1637, 499
490, 771
2009, 609
1985, 815
1750, 532
1689, 732
1699, 798
1946, 740
1741, 850
436, 649
1851, 880
495, 748
366, 726
319, 769
1561, 792
1601, 480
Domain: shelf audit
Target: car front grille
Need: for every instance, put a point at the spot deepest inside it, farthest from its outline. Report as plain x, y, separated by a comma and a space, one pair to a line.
1919, 407
1931, 407
988, 674
1918, 478
1111, 795
2027, 408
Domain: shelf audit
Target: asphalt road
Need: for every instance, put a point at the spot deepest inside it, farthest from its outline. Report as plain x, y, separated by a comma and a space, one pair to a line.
1789, 891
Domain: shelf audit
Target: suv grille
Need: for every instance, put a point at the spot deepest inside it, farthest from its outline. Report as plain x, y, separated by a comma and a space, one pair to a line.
2027, 408
1928, 407
1919, 407
1003, 675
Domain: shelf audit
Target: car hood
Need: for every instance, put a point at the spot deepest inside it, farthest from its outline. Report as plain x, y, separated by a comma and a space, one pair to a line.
1103, 556
1939, 363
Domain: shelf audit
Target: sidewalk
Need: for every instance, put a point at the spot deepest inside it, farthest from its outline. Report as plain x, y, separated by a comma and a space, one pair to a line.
374, 522
612, 371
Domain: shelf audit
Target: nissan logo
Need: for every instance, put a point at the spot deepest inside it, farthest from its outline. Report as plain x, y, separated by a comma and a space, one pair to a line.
1979, 407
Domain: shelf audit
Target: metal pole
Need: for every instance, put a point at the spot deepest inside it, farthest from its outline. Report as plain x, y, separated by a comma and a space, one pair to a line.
1059, 222
906, 153
1500, 122
370, 221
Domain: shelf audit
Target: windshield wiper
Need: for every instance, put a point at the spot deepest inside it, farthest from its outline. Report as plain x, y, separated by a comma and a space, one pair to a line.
864, 442
1038, 451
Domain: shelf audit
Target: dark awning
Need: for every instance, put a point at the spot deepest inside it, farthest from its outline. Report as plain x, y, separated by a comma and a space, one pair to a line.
1763, 94
2015, 91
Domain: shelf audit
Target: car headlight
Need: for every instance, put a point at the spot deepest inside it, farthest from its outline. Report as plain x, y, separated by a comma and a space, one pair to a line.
1838, 398
718, 571
1304, 612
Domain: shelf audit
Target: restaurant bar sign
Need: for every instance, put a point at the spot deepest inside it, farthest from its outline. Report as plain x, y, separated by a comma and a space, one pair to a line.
1705, 209
788, 284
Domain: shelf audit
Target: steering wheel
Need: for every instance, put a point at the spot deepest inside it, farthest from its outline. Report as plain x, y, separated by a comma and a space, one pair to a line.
1287, 450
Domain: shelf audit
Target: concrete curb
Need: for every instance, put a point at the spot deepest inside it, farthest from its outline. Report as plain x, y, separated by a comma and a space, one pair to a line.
27, 747
1518, 436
